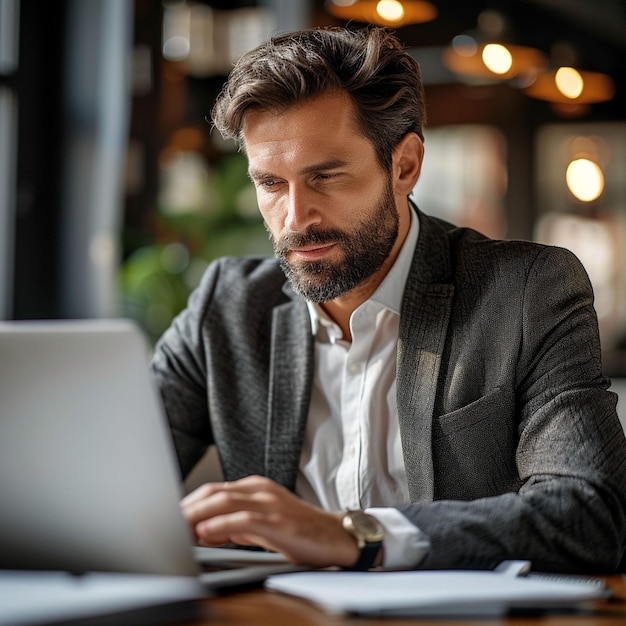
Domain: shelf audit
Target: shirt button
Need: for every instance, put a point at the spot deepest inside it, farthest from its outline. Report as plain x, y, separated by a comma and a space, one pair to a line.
355, 369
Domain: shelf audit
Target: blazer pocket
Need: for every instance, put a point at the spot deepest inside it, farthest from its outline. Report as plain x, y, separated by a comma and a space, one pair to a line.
497, 404
474, 448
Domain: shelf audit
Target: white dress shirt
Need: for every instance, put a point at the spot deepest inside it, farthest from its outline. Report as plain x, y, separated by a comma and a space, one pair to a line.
352, 454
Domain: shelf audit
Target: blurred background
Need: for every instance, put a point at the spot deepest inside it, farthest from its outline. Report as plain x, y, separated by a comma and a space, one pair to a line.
115, 195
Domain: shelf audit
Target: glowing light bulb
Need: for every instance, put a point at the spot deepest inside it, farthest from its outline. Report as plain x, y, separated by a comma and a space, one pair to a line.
584, 179
497, 58
390, 10
569, 82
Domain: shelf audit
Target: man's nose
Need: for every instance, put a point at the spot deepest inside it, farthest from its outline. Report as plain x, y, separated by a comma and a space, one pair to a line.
302, 211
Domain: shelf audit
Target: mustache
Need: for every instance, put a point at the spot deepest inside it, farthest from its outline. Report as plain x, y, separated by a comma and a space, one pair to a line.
312, 236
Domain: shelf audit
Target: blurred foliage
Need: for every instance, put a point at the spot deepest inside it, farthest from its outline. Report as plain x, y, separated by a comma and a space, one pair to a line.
156, 279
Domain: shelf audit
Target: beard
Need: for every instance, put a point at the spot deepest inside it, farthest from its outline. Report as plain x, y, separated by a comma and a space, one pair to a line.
365, 248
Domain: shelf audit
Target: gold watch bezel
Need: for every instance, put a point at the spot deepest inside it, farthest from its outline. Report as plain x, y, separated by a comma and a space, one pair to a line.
363, 527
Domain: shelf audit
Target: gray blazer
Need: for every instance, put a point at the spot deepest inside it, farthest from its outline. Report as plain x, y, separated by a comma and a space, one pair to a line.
511, 441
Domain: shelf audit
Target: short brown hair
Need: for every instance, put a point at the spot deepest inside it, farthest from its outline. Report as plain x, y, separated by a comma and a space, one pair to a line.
370, 65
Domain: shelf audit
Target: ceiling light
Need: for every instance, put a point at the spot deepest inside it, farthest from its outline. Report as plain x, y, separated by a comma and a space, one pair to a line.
569, 86
585, 180
383, 12
569, 82
497, 58
390, 10
491, 60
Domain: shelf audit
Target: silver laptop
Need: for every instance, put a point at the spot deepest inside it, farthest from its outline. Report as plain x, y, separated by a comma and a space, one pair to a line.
89, 481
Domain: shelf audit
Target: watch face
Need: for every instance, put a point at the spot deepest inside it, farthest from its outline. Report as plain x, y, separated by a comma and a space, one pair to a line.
365, 526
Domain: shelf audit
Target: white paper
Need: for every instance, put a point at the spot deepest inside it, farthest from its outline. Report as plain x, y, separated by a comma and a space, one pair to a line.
430, 592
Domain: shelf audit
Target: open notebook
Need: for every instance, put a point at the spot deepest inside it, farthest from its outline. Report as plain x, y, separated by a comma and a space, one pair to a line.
460, 593
89, 481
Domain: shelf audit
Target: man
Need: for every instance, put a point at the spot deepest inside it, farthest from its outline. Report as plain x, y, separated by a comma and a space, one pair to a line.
447, 383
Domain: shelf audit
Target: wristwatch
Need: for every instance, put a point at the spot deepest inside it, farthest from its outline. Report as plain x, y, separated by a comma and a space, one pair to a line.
369, 535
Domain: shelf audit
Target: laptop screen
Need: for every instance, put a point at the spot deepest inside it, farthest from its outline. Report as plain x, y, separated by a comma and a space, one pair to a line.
88, 475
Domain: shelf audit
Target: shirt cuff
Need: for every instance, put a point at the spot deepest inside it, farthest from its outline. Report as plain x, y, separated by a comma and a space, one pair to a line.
405, 545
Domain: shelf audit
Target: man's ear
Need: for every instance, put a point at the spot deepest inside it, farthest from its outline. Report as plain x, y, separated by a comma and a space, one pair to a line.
407, 163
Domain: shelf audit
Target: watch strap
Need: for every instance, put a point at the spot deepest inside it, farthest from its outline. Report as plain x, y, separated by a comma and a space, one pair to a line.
368, 555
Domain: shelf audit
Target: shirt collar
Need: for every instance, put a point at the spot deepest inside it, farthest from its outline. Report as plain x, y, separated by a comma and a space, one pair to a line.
389, 293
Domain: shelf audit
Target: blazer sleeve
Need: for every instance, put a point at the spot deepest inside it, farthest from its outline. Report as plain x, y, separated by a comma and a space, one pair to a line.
212, 365
570, 512
179, 369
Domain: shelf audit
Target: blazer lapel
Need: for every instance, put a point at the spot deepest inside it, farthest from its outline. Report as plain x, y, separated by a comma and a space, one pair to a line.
291, 375
424, 321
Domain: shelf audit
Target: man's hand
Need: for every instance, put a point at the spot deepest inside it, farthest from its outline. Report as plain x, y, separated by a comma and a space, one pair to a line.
257, 511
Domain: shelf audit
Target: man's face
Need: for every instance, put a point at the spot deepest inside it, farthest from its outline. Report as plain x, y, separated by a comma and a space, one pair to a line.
328, 205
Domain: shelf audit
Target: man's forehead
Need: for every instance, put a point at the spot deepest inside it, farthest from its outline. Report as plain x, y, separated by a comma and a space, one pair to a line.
324, 128
338, 103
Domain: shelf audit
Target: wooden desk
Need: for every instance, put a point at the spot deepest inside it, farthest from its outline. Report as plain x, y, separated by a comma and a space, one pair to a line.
267, 608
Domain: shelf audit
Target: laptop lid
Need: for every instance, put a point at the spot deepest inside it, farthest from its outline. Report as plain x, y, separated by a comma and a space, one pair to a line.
88, 475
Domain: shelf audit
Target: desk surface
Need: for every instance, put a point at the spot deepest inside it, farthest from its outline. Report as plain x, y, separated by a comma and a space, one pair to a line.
267, 608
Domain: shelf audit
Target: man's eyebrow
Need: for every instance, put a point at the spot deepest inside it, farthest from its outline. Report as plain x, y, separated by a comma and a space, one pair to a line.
329, 164
323, 166
259, 175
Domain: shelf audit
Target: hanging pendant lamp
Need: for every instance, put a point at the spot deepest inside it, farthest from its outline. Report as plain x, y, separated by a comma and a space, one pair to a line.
568, 85
383, 12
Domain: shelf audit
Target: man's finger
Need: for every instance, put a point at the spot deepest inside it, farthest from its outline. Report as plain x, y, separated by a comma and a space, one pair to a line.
223, 502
